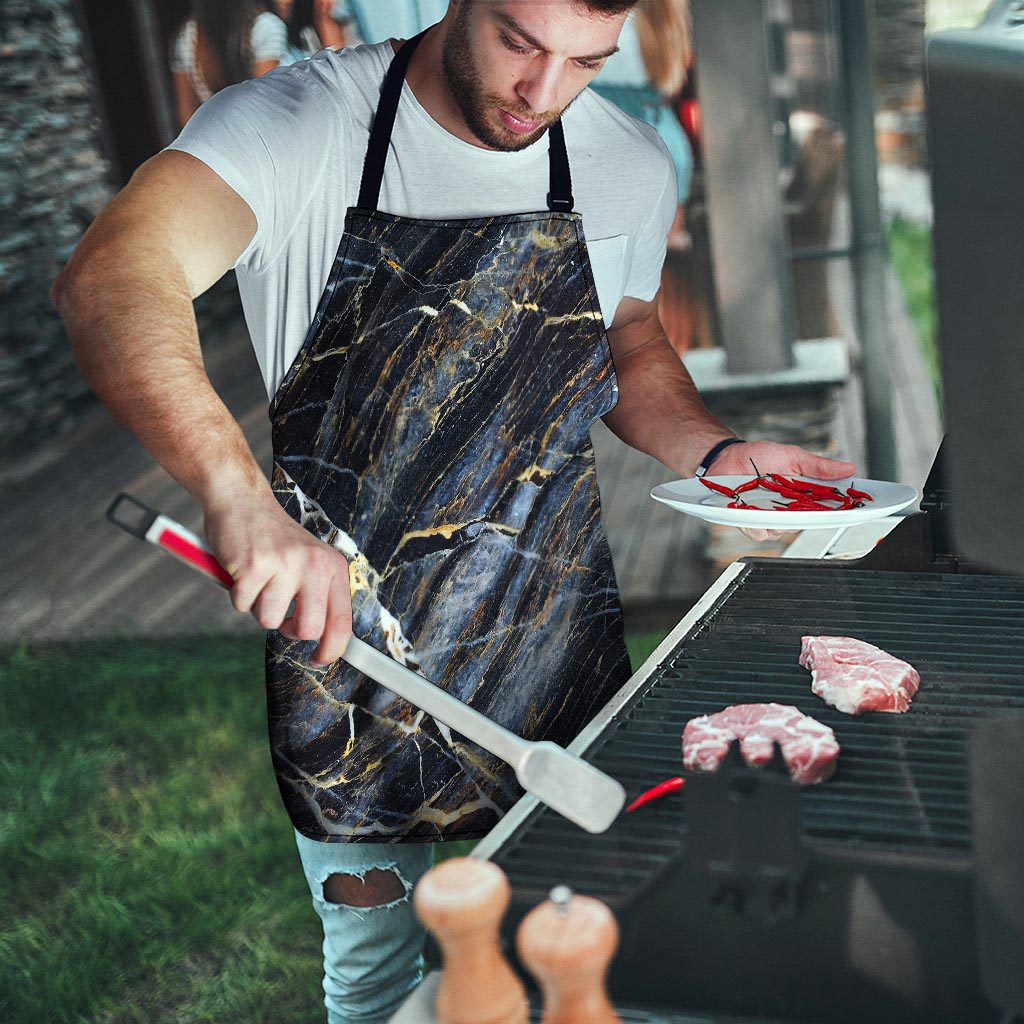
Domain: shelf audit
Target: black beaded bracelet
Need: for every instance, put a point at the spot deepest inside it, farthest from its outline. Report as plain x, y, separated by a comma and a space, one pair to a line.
705, 463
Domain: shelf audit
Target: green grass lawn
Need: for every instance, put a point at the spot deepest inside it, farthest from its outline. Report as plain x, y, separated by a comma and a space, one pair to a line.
910, 246
147, 867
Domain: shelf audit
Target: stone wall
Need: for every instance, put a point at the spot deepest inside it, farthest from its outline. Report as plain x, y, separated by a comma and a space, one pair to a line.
54, 178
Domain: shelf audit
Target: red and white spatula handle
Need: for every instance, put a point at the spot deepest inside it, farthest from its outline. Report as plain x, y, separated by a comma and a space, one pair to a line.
147, 524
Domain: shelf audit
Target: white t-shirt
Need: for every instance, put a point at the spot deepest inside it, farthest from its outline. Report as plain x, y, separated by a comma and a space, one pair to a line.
292, 144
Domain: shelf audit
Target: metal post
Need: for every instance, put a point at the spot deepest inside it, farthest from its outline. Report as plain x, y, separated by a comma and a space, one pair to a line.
868, 239
154, 65
748, 236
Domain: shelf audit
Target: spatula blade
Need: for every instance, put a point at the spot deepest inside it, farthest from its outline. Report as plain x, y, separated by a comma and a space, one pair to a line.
577, 790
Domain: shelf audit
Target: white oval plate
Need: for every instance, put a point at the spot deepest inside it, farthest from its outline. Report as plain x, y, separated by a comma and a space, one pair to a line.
693, 498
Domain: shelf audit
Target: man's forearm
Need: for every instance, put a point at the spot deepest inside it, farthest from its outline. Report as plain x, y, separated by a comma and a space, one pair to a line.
660, 411
133, 333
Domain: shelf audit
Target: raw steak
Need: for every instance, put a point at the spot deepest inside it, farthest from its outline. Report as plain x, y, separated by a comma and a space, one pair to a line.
855, 677
809, 748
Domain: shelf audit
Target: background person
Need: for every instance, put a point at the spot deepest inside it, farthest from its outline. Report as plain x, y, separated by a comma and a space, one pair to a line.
645, 79
224, 42
648, 73
373, 21
313, 25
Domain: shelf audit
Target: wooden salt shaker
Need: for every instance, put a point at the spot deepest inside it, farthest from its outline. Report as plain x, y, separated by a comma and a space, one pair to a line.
567, 943
462, 901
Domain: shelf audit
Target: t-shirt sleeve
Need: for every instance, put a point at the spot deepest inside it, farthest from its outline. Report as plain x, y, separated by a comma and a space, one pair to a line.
268, 139
269, 38
649, 250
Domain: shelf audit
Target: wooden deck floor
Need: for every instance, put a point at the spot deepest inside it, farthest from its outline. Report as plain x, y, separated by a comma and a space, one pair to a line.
72, 574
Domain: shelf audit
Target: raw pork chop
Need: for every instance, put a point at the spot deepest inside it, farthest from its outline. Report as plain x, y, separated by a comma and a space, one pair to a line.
855, 677
809, 748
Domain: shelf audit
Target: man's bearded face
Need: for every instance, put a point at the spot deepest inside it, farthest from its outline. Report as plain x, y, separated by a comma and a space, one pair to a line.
479, 57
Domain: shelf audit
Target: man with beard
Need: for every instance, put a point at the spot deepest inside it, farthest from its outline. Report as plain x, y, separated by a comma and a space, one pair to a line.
448, 253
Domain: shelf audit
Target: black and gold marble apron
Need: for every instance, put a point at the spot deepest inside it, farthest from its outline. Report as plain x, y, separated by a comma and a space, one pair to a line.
435, 429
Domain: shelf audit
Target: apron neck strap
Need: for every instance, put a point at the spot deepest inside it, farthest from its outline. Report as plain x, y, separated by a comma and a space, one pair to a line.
559, 198
383, 122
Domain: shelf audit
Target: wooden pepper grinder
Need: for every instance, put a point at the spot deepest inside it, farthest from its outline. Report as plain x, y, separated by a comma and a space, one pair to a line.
462, 901
567, 943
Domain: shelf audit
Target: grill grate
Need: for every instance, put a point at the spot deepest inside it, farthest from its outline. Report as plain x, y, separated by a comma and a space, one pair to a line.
902, 779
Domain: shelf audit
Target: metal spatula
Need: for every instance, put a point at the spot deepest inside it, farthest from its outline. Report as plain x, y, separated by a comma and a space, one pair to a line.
567, 784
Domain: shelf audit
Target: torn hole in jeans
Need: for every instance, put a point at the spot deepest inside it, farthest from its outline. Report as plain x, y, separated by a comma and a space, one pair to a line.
372, 889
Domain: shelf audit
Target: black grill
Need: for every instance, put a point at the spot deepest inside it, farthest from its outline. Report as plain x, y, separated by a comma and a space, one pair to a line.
902, 780
895, 819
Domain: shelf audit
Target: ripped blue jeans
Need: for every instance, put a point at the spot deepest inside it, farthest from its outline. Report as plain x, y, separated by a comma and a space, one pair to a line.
373, 955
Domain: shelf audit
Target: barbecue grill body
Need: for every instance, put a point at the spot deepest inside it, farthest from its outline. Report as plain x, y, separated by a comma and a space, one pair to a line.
876, 923
880, 944
975, 110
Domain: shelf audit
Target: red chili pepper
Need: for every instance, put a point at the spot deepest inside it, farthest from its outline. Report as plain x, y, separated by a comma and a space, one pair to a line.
806, 505
771, 485
788, 492
717, 487
804, 495
750, 485
656, 792
808, 487
793, 485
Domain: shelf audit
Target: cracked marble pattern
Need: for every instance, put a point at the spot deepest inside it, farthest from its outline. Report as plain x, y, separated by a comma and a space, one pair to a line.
435, 429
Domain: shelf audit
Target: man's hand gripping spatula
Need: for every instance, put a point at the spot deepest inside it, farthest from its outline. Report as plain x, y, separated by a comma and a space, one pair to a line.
567, 784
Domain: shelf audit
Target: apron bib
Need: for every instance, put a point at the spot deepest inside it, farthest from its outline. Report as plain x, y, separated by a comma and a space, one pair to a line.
435, 429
